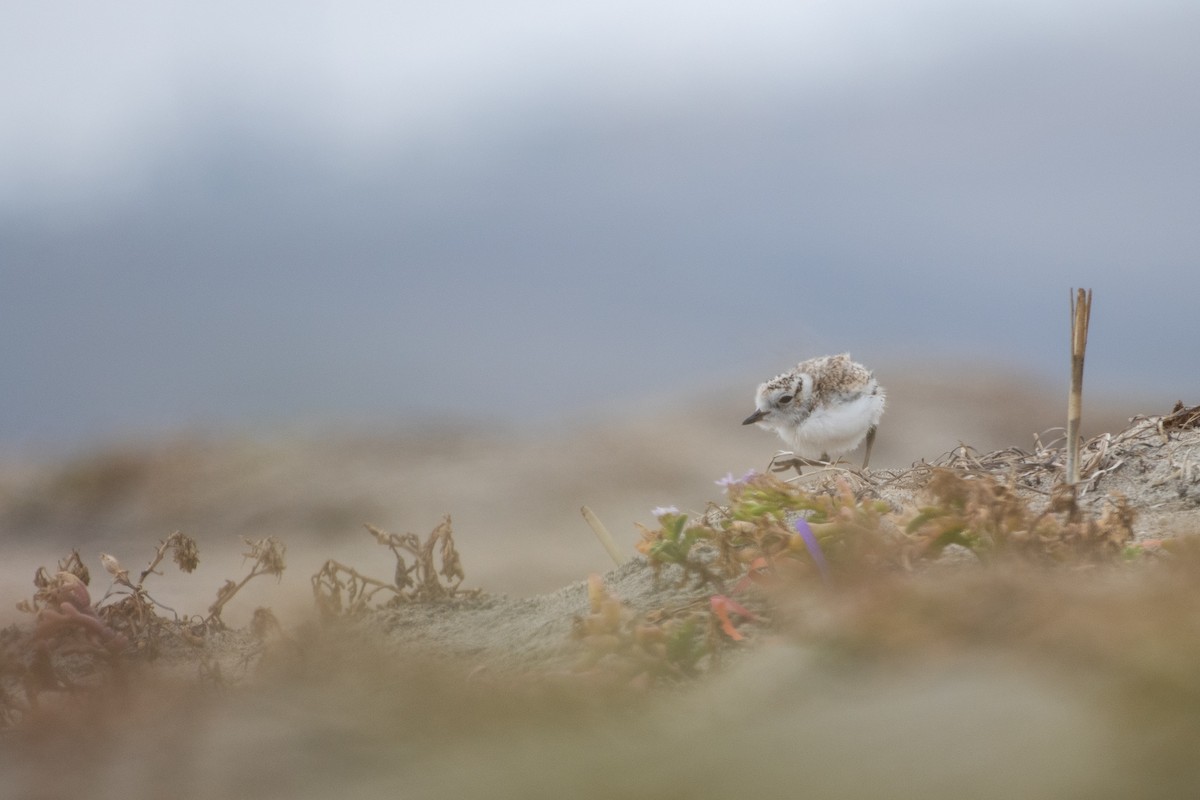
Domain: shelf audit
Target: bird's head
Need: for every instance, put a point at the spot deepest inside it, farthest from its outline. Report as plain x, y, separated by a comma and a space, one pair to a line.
781, 401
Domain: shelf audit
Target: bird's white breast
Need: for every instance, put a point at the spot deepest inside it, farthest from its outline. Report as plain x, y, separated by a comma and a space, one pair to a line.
835, 428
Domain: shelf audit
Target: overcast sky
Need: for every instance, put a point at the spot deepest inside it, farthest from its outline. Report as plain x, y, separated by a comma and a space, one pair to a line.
246, 214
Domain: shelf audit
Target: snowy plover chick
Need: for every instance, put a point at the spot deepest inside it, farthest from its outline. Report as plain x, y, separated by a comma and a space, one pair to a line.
821, 407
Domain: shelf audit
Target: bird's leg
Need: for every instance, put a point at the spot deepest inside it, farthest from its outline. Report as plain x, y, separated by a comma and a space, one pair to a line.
870, 444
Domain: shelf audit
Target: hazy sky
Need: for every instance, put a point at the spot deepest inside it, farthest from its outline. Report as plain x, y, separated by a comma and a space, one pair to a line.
246, 214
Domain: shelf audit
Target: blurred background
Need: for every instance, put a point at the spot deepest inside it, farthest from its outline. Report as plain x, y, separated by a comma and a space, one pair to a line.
288, 267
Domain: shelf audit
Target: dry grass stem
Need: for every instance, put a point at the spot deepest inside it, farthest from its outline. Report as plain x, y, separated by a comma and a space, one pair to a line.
603, 535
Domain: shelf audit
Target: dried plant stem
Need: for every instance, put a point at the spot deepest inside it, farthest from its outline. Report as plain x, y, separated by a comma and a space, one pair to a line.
1081, 311
603, 535
226, 593
268, 555
159, 554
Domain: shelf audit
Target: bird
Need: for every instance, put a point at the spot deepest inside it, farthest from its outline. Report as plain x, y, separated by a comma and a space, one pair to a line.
821, 407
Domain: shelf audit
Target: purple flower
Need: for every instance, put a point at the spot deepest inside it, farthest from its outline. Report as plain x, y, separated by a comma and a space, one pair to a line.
729, 480
814, 547
662, 511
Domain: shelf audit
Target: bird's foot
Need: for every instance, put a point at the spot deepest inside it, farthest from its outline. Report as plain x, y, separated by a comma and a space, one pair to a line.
785, 460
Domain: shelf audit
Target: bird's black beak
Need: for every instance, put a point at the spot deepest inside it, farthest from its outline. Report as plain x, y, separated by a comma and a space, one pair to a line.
753, 418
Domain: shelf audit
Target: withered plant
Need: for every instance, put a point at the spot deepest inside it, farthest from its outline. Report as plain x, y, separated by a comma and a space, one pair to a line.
266, 557
340, 590
69, 643
134, 612
75, 643
420, 581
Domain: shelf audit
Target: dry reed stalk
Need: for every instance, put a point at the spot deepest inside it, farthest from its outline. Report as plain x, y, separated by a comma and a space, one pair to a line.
1081, 311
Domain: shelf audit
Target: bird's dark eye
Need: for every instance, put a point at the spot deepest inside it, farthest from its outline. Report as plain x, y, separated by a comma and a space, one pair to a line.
783, 401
